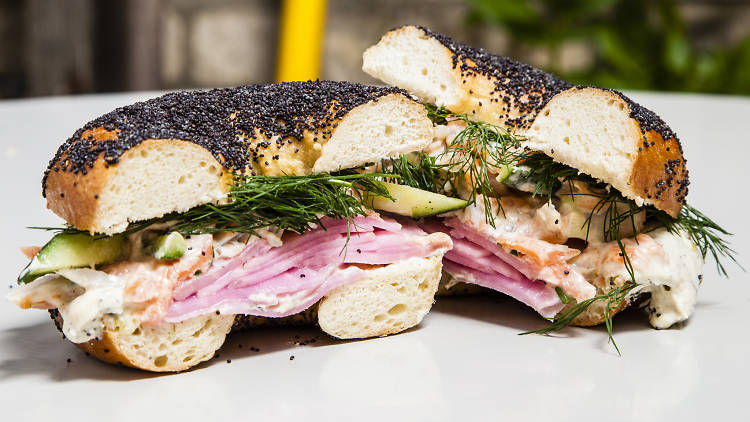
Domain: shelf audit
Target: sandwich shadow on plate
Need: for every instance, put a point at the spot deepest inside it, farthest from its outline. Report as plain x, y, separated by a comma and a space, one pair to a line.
40, 350
496, 308
246, 344
490, 307
36, 349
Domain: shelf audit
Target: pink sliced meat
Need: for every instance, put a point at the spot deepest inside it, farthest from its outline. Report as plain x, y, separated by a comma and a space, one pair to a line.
466, 252
536, 294
220, 269
279, 281
477, 260
462, 231
264, 255
246, 303
537, 258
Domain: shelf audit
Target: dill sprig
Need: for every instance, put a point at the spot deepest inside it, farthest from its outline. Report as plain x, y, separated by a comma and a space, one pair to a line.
482, 148
706, 234
417, 170
478, 151
547, 174
292, 203
287, 203
609, 205
613, 299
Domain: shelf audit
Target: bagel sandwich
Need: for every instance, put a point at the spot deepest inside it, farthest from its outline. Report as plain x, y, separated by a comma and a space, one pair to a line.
578, 193
196, 213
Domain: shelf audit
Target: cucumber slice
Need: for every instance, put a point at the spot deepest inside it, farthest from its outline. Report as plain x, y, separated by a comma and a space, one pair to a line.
505, 172
413, 202
169, 246
72, 251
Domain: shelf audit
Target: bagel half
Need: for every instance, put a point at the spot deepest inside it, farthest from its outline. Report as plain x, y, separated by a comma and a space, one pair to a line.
175, 152
165, 348
598, 131
605, 134
178, 151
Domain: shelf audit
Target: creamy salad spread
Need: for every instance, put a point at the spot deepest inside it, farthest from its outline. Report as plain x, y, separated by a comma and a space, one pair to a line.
273, 274
539, 247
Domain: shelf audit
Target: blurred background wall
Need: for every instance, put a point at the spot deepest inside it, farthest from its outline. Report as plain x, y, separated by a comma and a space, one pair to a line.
54, 47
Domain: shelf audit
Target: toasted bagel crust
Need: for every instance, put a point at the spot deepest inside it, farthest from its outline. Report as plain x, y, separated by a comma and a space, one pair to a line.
461, 78
177, 151
604, 134
166, 348
145, 183
498, 90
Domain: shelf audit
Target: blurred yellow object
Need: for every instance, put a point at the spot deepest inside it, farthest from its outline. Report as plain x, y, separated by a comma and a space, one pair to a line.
300, 40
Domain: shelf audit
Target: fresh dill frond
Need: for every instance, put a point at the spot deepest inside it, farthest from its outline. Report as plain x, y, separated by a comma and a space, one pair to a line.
287, 203
613, 218
705, 233
613, 299
482, 148
417, 170
547, 174
438, 115
609, 205
566, 317
292, 203
478, 151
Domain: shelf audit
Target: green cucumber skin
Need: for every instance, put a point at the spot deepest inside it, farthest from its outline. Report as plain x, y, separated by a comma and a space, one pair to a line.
169, 246
416, 203
66, 250
428, 210
505, 172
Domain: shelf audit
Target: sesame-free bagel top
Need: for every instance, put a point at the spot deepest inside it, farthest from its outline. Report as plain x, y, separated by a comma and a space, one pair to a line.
529, 88
650, 124
225, 121
517, 84
644, 160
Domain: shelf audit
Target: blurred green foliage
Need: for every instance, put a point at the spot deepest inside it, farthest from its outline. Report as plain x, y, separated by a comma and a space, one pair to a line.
637, 44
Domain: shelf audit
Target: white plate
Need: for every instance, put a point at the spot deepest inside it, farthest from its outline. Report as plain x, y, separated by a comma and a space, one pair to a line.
464, 362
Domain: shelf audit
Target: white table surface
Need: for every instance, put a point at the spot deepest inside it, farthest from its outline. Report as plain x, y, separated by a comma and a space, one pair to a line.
464, 362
